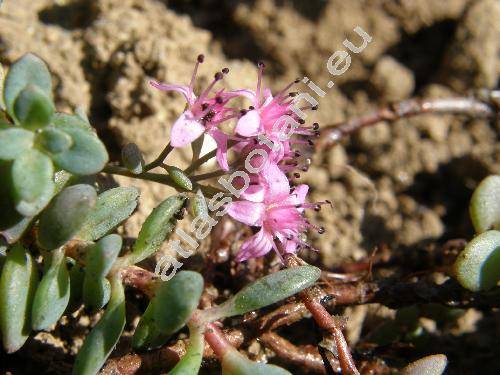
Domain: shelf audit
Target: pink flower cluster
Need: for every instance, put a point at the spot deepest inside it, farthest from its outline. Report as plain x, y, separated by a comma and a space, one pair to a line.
270, 135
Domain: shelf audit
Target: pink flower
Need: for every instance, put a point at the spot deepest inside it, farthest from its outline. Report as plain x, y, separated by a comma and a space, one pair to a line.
277, 211
203, 113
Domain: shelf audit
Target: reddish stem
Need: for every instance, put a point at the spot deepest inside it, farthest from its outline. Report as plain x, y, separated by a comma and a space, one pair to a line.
216, 339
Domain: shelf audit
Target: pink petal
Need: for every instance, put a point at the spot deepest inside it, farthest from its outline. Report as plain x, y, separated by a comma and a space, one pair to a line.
221, 139
184, 90
278, 187
250, 213
256, 246
254, 193
249, 124
185, 130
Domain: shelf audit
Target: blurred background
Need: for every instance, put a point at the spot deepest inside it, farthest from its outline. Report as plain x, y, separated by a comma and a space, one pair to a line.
405, 185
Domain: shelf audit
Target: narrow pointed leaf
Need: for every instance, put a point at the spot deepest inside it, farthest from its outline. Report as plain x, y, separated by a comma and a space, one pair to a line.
112, 208
132, 158
65, 215
53, 141
32, 180
191, 361
33, 108
14, 142
52, 295
157, 228
180, 178
270, 289
478, 265
99, 260
29, 69
104, 336
485, 205
430, 365
87, 154
17, 288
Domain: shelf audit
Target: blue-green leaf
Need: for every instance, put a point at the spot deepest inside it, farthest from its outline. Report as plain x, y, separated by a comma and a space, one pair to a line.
112, 207
478, 265
157, 228
235, 363
53, 141
14, 142
132, 158
52, 294
179, 177
191, 361
65, 215
32, 182
104, 336
270, 289
17, 288
29, 69
33, 108
430, 365
485, 205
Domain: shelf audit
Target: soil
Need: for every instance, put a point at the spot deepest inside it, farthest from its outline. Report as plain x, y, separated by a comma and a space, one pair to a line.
405, 184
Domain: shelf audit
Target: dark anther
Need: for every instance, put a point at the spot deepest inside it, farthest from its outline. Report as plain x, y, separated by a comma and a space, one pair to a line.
315, 126
219, 100
297, 153
302, 121
225, 70
317, 208
260, 64
310, 143
296, 175
328, 201
201, 58
218, 76
292, 94
204, 106
243, 112
317, 133
314, 107
305, 168
298, 206
321, 230
297, 80
251, 108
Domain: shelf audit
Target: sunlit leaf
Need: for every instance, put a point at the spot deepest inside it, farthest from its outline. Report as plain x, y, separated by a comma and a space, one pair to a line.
32, 182
17, 288
14, 142
485, 205
179, 177
65, 121
198, 205
478, 265
112, 207
191, 361
170, 309
52, 295
29, 69
430, 365
53, 140
65, 215
87, 154
104, 336
270, 289
33, 108
99, 260
157, 228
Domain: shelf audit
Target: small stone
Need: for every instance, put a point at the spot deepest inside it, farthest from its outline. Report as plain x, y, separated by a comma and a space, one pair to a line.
392, 79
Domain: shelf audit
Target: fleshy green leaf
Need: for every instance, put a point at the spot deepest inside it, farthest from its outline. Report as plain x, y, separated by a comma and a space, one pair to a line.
29, 69
17, 287
53, 140
132, 158
191, 361
157, 227
270, 289
15, 232
14, 142
32, 182
485, 205
102, 339
9, 217
235, 363
33, 108
76, 276
170, 309
99, 260
198, 205
87, 154
65, 215
430, 365
179, 177
52, 294
478, 265
112, 207
64, 121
